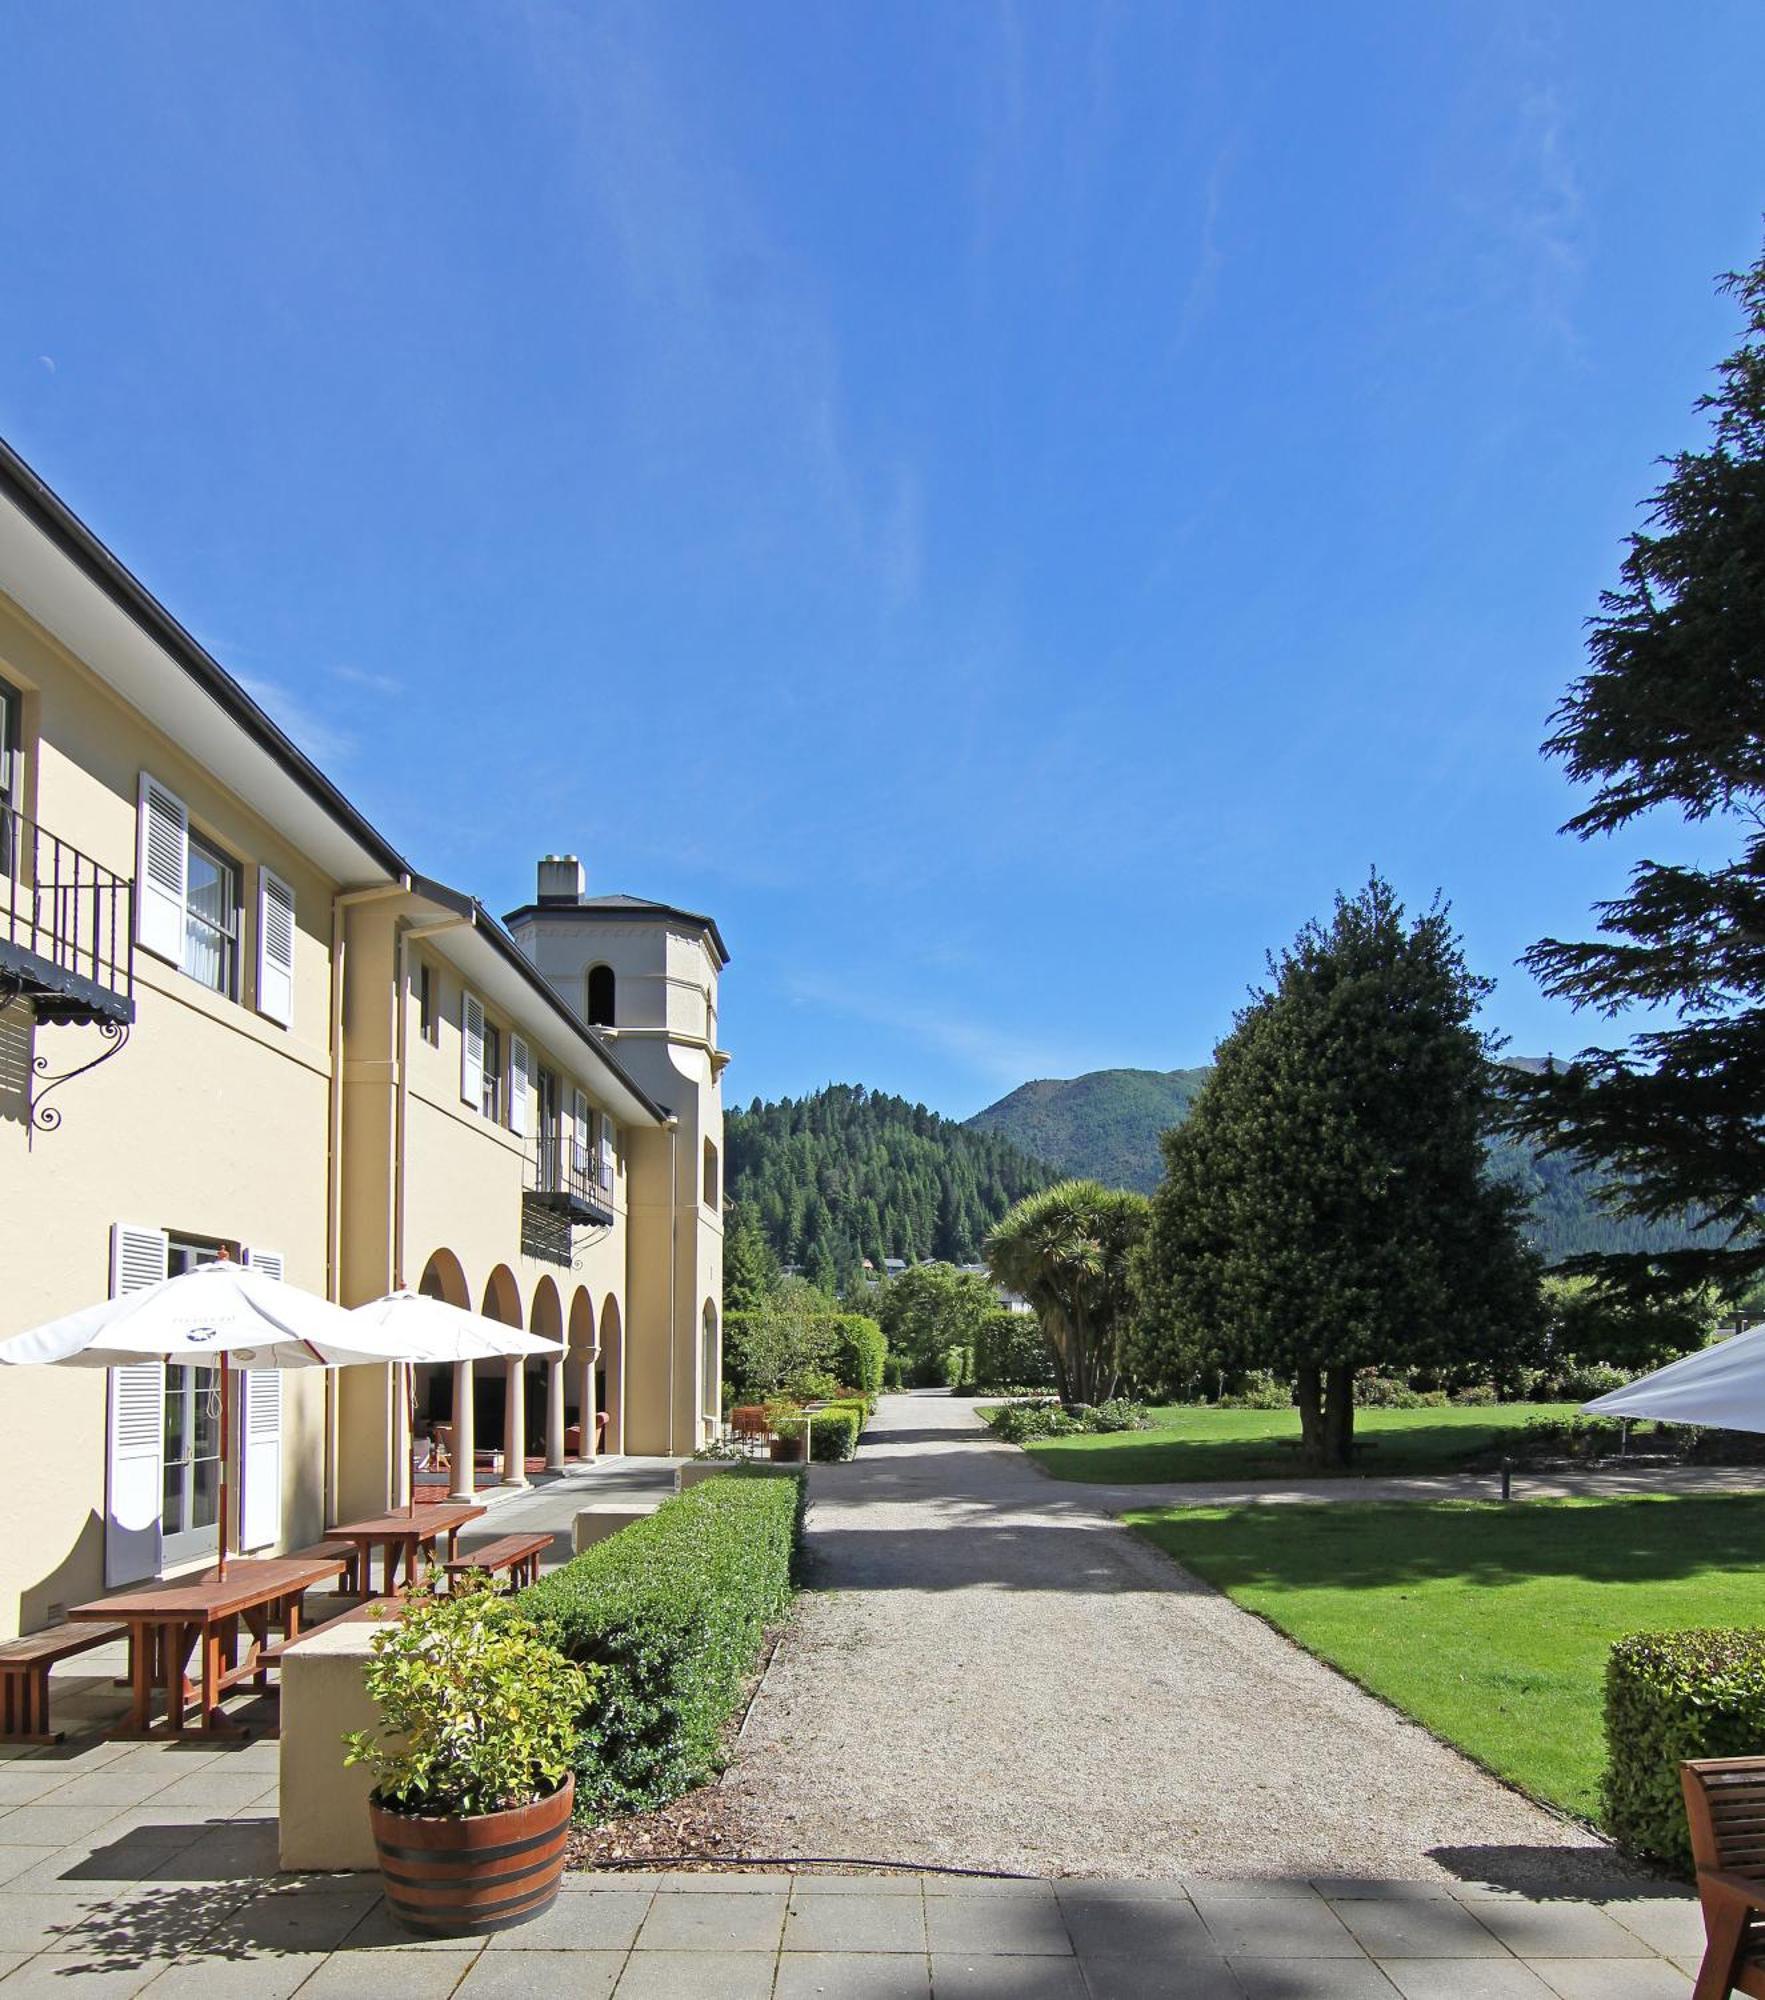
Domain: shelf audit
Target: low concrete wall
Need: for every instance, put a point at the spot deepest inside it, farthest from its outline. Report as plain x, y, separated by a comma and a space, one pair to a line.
324, 1802
597, 1524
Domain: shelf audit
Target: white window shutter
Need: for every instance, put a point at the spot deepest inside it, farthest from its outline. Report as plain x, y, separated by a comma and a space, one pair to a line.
270, 1262
275, 948
606, 1152
135, 1426
520, 1083
472, 1050
260, 1457
162, 870
579, 1132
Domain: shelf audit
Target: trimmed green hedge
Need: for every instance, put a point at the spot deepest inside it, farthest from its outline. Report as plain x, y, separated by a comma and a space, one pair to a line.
673, 1609
858, 1352
1010, 1353
833, 1432
1671, 1695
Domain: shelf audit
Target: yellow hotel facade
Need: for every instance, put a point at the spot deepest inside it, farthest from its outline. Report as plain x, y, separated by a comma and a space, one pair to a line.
233, 1016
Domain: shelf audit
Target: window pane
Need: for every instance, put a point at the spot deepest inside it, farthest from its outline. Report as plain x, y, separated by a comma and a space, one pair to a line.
176, 1410
207, 1440
172, 1520
210, 888
205, 1509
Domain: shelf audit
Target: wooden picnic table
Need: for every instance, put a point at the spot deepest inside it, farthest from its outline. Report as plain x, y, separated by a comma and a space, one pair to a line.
402, 1536
169, 1620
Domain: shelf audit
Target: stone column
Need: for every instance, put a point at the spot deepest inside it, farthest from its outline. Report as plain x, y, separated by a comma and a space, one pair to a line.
515, 1422
554, 1414
585, 1405
465, 1487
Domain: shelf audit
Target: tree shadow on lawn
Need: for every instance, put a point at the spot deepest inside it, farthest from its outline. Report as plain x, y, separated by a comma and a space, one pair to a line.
1372, 1545
1159, 1457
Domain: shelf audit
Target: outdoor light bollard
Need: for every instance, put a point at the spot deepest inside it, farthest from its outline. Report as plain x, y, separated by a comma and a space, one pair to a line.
1507, 1478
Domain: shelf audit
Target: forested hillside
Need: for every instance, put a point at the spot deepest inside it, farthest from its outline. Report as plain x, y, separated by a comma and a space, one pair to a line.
849, 1173
1106, 1125
1103, 1126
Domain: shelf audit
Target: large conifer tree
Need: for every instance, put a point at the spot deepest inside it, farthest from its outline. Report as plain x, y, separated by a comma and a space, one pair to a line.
1326, 1206
1671, 717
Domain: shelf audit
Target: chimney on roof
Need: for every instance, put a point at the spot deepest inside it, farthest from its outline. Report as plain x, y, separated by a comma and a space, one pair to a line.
561, 879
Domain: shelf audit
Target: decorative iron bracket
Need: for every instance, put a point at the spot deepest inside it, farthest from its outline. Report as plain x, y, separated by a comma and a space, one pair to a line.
46, 1117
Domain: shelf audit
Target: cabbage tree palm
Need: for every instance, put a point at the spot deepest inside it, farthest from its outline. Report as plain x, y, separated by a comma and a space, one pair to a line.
1067, 1250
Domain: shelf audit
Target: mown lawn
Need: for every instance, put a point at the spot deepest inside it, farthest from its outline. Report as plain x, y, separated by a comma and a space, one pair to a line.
1488, 1624
1197, 1442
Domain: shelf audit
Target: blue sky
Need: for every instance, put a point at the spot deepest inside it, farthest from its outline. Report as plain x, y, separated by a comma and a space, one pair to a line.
1010, 507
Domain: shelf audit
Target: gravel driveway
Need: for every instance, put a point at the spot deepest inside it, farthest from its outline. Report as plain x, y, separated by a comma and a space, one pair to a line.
989, 1672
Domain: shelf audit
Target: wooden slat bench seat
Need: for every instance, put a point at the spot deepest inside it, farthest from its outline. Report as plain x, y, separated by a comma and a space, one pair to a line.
345, 1552
24, 1676
517, 1555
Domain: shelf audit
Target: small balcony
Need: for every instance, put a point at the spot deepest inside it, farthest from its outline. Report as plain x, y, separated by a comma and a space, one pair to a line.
569, 1181
67, 930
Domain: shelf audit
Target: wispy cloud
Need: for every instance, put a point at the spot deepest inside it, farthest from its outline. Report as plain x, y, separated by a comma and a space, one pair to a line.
318, 737
999, 1054
364, 678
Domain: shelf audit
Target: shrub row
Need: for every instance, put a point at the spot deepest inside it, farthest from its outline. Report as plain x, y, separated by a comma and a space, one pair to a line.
834, 1429
1671, 1695
673, 1610
1018, 1423
1010, 1353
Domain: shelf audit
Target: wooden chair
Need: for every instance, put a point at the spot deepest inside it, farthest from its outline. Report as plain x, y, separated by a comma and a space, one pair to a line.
1725, 1806
749, 1428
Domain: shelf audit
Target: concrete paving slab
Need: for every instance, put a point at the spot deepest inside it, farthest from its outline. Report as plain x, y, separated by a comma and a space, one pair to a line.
738, 1881
1408, 1928
1465, 1979
391, 1975
538, 1975
854, 1923
581, 1923
257, 1976
1003, 1926
705, 1975
1611, 1978
17, 1861
713, 1923
53, 1826
851, 1885
1558, 1930
1153, 1928
808, 1975
39, 1978
962, 1977
1113, 1977
1675, 1928
1278, 1927
1312, 1979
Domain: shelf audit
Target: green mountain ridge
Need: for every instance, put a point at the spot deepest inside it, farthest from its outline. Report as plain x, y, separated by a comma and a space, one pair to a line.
1106, 1126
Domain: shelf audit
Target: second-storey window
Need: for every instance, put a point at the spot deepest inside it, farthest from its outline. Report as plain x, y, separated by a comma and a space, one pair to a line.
493, 1073
10, 760
211, 919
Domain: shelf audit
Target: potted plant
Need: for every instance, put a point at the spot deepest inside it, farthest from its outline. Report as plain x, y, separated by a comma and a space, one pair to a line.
473, 1783
790, 1432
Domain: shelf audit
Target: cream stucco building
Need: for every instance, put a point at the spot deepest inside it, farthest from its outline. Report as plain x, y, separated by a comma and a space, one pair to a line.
233, 1016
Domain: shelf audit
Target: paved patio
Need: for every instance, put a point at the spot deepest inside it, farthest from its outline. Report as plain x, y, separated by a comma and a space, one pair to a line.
127, 1868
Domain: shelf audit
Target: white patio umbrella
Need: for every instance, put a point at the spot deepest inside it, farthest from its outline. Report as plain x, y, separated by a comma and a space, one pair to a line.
420, 1328
221, 1315
1722, 1386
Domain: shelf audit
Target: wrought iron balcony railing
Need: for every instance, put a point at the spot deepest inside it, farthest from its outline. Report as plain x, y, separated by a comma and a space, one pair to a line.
67, 928
569, 1179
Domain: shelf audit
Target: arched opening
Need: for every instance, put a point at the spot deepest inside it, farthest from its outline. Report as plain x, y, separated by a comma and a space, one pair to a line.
581, 1430
711, 1188
544, 1398
610, 1376
710, 1374
432, 1385
444, 1278
498, 1400
602, 993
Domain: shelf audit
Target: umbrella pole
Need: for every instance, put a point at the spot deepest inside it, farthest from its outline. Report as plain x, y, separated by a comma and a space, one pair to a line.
410, 1427
226, 1455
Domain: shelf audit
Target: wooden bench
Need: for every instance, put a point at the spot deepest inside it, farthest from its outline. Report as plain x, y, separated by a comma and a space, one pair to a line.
516, 1555
24, 1677
350, 1583
1725, 1807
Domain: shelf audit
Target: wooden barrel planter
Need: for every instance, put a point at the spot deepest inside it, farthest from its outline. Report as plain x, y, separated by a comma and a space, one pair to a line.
452, 1877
